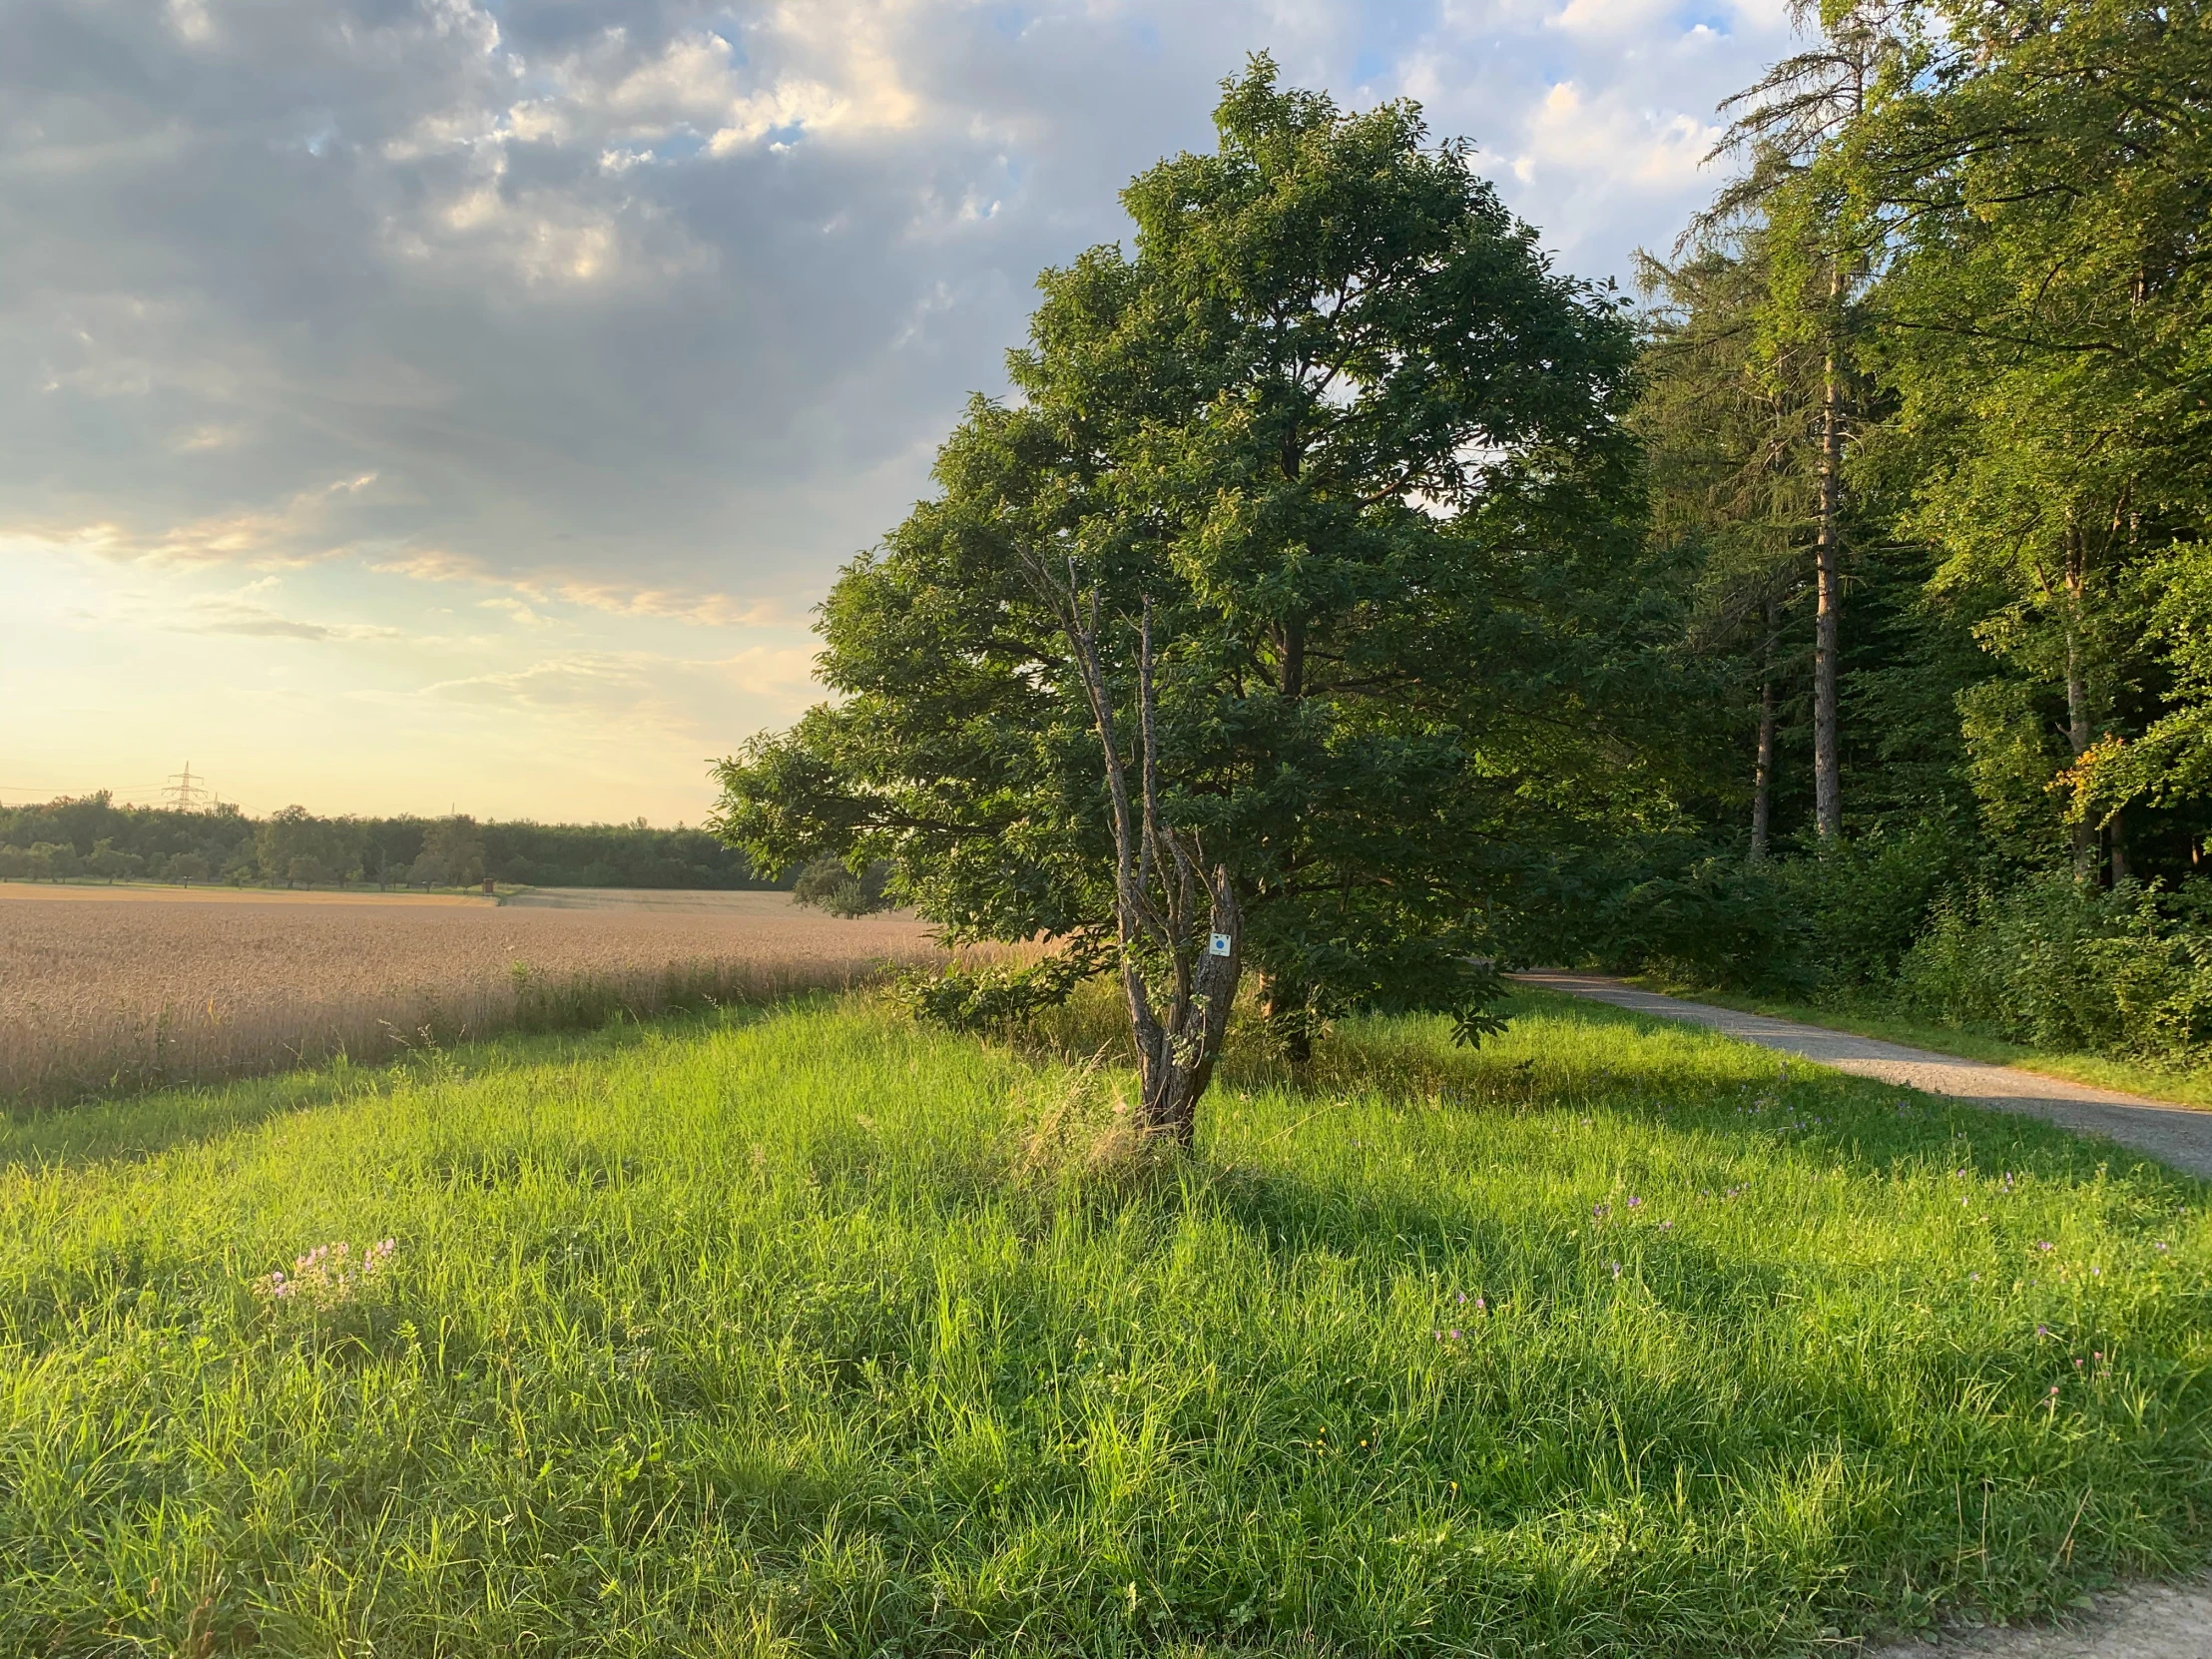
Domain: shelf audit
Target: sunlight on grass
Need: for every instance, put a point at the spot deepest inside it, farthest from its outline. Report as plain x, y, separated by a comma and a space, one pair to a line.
778, 1334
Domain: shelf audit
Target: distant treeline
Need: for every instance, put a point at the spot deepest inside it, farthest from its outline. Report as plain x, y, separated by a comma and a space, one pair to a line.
92, 836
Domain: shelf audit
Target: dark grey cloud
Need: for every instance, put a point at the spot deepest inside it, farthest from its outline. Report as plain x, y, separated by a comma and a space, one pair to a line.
648, 300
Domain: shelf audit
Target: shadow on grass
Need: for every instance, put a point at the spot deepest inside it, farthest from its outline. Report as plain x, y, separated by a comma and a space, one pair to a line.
1866, 1126
1564, 1055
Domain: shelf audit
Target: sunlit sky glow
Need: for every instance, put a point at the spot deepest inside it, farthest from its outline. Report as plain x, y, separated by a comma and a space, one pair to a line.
417, 404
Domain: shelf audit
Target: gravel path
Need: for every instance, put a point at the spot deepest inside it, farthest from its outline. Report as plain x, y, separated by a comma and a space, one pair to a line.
2149, 1621
2174, 1135
2145, 1621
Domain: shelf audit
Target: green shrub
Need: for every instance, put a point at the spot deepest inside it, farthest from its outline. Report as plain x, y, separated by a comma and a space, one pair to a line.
1832, 921
1860, 907
2062, 964
1004, 996
1712, 922
828, 884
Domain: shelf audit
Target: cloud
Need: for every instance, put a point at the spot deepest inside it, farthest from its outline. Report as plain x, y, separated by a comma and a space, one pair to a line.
295, 532
712, 610
670, 299
232, 616
639, 690
644, 312
1572, 132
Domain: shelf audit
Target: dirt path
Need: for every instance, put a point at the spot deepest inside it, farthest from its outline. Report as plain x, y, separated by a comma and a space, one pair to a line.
2149, 1621
2174, 1135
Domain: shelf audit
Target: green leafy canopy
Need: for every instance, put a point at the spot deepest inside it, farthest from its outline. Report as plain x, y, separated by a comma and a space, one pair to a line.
1339, 425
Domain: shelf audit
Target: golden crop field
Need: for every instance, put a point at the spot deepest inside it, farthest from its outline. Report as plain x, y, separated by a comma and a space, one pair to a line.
107, 987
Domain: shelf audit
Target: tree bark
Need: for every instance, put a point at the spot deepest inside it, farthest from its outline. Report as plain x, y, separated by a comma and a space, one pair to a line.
1161, 881
1761, 775
1293, 659
2078, 733
1827, 792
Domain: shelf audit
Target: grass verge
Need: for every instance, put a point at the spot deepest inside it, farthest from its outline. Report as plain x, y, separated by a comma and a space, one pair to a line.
813, 1332
2180, 1088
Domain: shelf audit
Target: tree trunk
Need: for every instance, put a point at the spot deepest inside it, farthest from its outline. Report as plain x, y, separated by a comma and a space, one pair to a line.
2077, 738
1762, 774
1293, 659
2117, 831
1179, 988
1828, 790
1176, 1054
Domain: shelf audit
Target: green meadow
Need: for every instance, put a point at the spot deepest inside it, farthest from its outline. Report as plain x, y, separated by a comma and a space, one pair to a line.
814, 1331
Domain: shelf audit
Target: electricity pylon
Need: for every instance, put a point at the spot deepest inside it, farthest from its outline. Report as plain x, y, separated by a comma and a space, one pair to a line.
185, 793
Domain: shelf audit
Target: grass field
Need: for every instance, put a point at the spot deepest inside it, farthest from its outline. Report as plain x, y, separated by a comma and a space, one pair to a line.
107, 988
812, 1332
2183, 1088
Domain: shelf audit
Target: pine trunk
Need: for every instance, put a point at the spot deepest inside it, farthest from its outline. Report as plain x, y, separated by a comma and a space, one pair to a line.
2077, 739
1828, 790
1761, 775
2080, 727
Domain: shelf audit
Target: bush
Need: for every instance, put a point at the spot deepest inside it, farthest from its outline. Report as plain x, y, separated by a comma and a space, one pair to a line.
2062, 964
1832, 921
1715, 921
828, 884
1005, 996
1862, 904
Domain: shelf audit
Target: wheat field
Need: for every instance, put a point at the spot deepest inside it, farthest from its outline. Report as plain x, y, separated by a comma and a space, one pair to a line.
104, 989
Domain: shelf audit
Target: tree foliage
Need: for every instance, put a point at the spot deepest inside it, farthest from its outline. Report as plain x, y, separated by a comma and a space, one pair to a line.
178, 845
1303, 568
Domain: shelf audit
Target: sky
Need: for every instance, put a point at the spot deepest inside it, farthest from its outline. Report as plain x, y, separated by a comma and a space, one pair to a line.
420, 405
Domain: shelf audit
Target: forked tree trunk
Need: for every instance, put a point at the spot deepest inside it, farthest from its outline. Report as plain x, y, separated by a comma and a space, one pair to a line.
1171, 905
1177, 1047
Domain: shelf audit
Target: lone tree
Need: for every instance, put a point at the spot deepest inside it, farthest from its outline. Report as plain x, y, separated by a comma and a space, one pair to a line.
1257, 633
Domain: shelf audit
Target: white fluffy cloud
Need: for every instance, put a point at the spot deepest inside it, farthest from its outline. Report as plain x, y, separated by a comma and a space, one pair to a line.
648, 309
